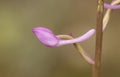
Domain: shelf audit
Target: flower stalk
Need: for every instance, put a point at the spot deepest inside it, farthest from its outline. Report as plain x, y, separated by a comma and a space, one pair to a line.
99, 35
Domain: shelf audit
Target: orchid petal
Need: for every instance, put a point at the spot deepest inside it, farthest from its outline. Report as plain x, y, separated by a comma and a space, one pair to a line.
45, 36
108, 6
82, 38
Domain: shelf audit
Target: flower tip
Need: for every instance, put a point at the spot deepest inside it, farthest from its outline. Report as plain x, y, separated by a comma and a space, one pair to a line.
88, 34
92, 31
45, 36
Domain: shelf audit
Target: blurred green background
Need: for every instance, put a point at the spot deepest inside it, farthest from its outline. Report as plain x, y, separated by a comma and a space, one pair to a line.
22, 55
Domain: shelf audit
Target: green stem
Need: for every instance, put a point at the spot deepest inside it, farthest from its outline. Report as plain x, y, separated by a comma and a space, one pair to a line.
99, 34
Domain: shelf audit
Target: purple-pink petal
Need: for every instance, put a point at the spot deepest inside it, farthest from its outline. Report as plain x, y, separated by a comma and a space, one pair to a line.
108, 6
82, 38
44, 29
46, 36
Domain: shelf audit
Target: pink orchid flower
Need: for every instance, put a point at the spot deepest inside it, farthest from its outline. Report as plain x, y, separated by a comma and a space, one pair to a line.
48, 38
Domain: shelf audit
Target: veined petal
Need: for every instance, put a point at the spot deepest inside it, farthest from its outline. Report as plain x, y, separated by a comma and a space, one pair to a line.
108, 6
43, 29
46, 36
82, 38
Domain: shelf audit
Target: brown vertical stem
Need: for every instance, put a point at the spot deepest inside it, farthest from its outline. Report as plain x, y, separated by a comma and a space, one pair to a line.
99, 35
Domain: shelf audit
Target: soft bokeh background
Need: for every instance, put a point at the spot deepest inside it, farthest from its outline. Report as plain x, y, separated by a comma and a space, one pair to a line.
22, 55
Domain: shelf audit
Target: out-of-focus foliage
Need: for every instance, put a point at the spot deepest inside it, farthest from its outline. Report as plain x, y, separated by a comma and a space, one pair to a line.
22, 55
